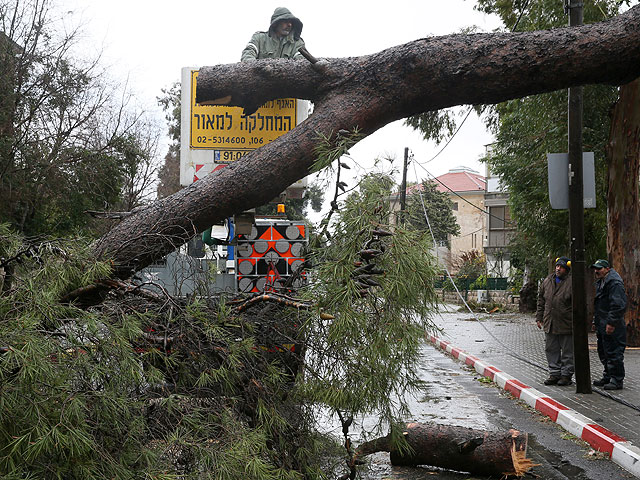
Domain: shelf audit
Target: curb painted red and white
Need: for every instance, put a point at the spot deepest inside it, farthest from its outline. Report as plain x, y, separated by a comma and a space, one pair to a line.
622, 452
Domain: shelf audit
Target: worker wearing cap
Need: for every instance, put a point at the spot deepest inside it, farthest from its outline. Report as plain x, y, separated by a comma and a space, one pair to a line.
611, 331
554, 316
282, 40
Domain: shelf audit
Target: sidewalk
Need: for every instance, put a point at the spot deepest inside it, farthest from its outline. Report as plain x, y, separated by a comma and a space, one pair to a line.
604, 423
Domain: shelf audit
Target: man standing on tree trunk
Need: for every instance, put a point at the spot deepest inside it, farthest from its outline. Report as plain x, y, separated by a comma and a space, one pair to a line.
554, 315
282, 40
611, 331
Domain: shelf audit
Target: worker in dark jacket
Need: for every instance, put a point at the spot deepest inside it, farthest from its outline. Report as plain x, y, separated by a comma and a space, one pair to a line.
554, 316
282, 40
611, 331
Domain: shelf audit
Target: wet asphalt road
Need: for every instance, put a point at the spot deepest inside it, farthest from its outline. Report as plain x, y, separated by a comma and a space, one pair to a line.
454, 395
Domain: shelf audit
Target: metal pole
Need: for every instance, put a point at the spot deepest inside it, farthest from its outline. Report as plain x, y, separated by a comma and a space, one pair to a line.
576, 221
403, 187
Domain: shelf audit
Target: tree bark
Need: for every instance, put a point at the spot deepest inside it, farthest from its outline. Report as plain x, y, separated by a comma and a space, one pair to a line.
367, 92
623, 211
457, 448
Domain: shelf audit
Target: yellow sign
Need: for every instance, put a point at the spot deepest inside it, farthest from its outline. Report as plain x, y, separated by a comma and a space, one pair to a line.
230, 133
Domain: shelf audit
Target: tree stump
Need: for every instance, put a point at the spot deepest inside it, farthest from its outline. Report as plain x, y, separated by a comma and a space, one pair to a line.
528, 297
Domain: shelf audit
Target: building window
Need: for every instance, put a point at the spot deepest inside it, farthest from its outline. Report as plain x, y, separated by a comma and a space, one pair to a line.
455, 206
499, 218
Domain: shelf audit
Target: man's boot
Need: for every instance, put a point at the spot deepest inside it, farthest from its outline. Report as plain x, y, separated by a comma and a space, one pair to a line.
601, 383
552, 380
564, 381
613, 385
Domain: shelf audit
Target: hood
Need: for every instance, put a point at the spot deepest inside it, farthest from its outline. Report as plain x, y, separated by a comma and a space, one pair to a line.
282, 13
613, 276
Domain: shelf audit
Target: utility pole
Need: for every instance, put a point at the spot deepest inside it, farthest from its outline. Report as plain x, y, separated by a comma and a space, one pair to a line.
403, 186
576, 221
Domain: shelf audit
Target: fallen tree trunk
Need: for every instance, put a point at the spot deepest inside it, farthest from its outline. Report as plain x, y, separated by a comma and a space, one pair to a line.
457, 448
367, 93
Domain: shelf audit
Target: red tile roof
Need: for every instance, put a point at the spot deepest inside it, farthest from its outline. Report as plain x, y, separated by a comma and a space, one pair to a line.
461, 181
458, 180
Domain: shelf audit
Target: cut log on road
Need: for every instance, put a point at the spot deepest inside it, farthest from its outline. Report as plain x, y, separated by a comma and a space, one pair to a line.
457, 448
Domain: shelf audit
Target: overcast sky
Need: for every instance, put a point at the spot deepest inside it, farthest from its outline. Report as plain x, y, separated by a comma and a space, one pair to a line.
149, 41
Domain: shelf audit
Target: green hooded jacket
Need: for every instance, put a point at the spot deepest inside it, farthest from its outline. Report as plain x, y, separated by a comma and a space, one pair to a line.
267, 45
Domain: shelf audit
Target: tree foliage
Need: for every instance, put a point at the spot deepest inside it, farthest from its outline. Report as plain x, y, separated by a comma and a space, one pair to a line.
66, 144
444, 71
143, 385
196, 388
435, 125
169, 173
471, 264
367, 353
439, 211
68, 375
527, 129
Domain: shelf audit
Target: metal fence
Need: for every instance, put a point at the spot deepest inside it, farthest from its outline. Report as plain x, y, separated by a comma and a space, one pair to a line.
464, 283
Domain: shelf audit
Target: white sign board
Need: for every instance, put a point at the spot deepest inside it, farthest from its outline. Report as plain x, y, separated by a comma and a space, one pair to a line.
558, 172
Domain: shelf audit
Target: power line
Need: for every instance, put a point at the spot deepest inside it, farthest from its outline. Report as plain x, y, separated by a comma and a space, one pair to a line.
461, 197
471, 107
452, 136
471, 233
520, 16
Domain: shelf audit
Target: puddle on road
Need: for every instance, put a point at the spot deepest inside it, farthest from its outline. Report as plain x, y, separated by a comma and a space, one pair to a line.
443, 397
